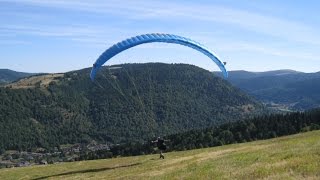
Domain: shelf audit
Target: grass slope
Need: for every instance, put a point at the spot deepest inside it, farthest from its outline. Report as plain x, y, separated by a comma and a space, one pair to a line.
290, 157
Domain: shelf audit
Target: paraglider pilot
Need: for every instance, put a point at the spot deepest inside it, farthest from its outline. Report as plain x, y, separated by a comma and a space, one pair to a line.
161, 145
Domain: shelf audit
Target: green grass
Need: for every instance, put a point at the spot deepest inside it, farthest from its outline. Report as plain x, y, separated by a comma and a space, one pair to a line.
290, 157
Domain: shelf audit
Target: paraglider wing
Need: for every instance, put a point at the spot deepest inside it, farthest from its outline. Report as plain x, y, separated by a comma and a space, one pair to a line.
150, 38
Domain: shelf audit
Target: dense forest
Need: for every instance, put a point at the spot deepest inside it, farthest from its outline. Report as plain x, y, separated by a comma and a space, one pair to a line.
296, 90
132, 102
264, 127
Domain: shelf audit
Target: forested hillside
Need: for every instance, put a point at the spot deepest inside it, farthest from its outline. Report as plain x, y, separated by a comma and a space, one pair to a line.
286, 89
263, 127
7, 75
130, 102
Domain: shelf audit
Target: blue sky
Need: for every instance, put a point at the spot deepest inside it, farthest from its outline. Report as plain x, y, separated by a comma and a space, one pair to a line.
59, 36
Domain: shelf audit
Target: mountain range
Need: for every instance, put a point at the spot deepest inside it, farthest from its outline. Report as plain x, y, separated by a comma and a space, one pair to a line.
280, 89
285, 89
130, 102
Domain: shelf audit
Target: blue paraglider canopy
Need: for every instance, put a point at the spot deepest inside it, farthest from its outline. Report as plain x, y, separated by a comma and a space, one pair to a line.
150, 38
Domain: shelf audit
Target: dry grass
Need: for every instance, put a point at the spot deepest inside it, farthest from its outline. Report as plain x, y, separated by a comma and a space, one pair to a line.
291, 157
31, 82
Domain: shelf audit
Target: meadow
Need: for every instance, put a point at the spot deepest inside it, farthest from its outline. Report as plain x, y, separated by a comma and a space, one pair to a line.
290, 157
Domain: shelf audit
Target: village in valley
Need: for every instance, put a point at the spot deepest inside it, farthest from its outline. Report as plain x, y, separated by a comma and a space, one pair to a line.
64, 153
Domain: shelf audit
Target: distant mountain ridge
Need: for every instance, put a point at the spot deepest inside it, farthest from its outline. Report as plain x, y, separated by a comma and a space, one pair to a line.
290, 89
7, 75
281, 88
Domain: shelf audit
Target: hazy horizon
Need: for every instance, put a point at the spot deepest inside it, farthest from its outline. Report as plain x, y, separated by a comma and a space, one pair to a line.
160, 62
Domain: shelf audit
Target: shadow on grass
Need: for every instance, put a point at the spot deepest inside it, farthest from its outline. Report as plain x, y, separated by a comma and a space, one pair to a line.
86, 171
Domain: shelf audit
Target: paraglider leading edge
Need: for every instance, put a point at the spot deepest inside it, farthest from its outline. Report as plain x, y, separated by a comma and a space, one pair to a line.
150, 38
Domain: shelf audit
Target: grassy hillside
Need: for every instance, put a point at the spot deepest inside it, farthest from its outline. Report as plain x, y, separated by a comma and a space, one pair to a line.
290, 157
